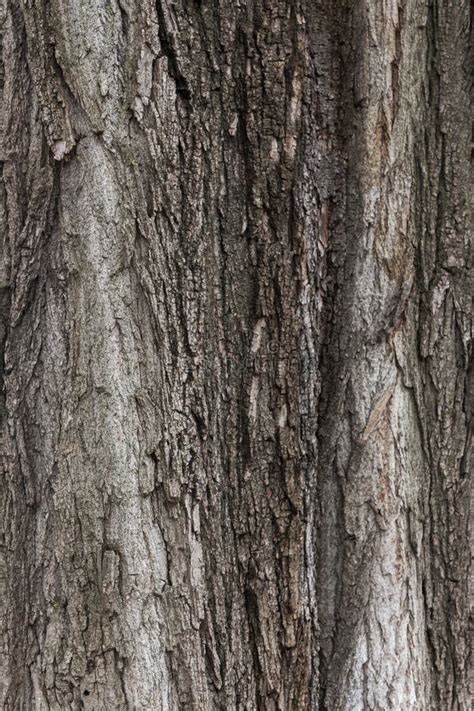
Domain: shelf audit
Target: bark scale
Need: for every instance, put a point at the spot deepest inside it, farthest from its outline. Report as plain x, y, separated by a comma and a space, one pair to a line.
235, 325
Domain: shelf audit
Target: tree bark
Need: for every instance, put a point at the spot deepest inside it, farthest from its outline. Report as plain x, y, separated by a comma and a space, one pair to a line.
235, 328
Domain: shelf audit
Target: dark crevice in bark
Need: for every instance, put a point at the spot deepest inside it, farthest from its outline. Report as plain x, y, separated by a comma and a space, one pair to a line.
167, 40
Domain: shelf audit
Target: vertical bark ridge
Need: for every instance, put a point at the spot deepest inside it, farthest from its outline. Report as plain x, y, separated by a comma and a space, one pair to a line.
377, 470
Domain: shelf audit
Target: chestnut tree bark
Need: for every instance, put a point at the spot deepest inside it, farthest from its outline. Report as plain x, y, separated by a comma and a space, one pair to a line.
235, 300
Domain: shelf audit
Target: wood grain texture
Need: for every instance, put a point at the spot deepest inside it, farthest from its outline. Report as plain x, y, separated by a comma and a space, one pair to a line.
235, 300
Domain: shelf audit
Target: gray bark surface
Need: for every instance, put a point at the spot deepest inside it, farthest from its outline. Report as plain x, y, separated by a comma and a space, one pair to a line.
235, 301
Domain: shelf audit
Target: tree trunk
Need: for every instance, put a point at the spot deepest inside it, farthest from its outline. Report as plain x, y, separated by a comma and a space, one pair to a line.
235, 322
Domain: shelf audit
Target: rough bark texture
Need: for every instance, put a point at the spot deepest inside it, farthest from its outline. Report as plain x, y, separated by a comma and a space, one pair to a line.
235, 322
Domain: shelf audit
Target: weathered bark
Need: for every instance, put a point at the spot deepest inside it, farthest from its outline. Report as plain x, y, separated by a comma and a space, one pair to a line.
235, 304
